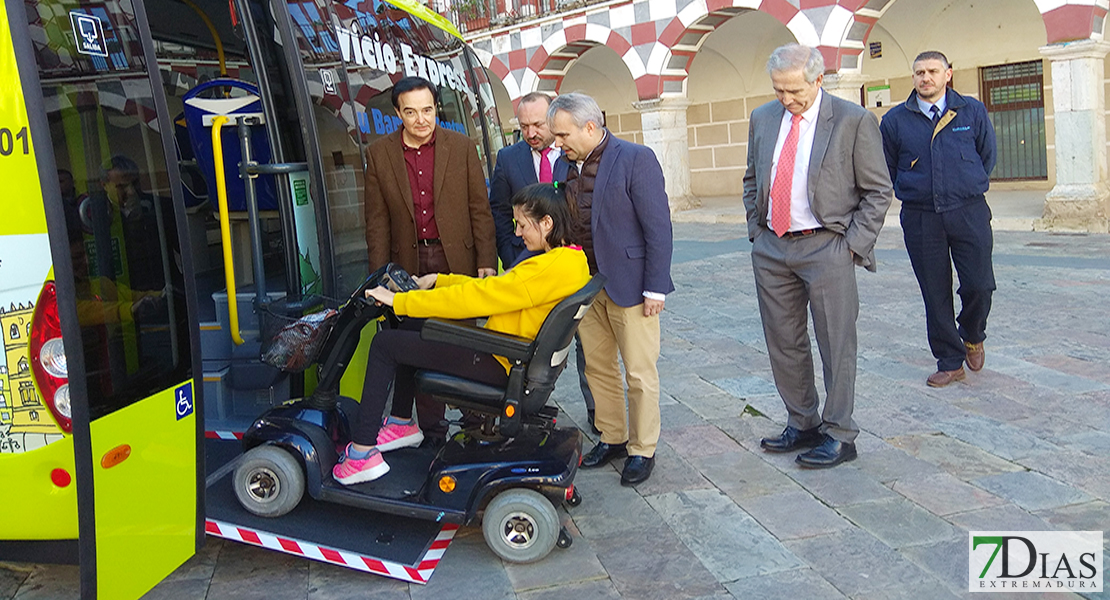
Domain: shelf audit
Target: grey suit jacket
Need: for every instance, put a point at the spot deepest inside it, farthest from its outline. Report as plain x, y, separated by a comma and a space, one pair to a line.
849, 186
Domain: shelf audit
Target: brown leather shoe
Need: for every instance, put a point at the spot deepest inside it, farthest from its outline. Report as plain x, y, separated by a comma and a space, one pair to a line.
975, 356
943, 378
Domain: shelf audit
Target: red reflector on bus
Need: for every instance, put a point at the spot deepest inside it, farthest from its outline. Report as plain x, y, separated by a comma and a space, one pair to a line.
61, 478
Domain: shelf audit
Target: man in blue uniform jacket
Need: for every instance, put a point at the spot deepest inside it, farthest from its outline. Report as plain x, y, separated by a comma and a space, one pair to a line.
940, 150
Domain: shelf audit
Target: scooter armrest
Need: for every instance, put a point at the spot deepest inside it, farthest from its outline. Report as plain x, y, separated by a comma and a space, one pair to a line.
468, 335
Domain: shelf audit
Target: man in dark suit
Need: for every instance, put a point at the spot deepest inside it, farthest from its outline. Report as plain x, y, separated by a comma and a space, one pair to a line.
534, 159
426, 210
816, 192
624, 224
520, 165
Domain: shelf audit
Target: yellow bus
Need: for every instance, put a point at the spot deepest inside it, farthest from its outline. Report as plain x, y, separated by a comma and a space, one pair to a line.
179, 174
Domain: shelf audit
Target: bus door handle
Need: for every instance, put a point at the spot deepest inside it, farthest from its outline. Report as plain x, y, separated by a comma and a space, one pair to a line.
225, 228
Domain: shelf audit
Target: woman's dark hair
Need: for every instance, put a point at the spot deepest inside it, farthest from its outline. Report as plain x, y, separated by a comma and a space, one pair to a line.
541, 200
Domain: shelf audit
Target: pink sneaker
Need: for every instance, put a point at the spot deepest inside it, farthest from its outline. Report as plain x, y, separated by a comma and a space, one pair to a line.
393, 436
354, 470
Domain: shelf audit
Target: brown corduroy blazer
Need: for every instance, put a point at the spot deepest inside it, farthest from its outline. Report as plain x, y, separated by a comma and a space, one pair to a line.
462, 211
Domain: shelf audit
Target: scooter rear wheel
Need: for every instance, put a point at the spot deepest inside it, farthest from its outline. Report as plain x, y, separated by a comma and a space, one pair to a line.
269, 481
520, 525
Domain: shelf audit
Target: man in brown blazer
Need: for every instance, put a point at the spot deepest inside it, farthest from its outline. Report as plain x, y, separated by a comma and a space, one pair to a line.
427, 209
427, 221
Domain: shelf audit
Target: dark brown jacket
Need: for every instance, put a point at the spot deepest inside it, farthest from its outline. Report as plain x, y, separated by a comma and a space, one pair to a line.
462, 209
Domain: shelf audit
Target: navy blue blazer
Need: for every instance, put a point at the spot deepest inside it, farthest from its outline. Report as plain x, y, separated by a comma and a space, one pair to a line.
514, 170
631, 223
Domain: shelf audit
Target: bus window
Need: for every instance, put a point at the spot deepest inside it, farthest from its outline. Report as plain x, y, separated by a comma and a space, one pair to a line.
119, 212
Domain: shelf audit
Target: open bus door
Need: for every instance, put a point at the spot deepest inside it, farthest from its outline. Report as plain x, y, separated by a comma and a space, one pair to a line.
82, 90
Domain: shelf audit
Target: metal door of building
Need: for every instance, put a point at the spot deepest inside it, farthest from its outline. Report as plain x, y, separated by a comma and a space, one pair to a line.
1014, 95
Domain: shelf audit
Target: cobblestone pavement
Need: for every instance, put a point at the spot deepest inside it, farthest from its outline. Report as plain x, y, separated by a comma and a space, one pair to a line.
1022, 445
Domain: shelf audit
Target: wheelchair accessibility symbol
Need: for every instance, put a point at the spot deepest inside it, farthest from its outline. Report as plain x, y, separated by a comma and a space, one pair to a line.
184, 400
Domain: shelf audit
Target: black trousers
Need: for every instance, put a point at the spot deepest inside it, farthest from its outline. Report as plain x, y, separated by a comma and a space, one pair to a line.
395, 356
935, 242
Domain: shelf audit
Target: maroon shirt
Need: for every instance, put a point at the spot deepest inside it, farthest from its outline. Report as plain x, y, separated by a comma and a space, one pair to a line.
420, 163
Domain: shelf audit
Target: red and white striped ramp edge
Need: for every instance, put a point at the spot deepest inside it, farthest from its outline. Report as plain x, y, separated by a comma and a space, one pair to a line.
223, 435
420, 573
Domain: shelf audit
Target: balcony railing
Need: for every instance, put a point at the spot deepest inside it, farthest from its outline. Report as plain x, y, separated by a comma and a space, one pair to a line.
476, 15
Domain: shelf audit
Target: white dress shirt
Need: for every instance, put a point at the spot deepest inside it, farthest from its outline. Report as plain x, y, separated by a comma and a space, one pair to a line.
801, 217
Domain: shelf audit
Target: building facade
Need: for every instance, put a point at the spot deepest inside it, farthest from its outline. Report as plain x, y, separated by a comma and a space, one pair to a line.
682, 76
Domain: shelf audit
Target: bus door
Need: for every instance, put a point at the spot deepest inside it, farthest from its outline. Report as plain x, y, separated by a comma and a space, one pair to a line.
121, 299
267, 260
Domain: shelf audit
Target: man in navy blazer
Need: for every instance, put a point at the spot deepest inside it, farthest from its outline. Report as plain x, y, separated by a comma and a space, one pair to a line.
624, 225
521, 165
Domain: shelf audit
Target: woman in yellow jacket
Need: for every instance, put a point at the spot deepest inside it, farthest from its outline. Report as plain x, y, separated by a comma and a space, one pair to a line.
516, 302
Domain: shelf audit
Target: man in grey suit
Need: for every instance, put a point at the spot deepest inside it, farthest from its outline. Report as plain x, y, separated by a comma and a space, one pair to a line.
816, 192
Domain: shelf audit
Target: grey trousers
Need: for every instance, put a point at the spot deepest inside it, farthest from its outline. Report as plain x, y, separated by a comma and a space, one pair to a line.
815, 271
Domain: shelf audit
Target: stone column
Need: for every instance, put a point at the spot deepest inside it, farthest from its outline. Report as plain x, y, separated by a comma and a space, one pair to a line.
664, 125
845, 85
1079, 200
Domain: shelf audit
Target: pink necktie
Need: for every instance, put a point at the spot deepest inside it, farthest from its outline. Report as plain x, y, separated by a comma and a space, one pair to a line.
784, 180
545, 166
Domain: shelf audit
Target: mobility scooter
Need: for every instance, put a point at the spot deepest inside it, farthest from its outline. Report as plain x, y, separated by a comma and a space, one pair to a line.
514, 469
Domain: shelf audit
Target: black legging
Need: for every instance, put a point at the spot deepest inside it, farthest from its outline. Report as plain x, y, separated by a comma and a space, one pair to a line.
395, 355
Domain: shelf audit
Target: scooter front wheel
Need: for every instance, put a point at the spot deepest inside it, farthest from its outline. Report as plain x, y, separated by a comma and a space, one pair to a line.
520, 525
269, 481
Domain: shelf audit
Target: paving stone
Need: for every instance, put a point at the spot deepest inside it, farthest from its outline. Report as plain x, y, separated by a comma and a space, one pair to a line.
468, 570
678, 416
898, 522
609, 508
700, 441
741, 474
563, 566
332, 582
1032, 491
716, 405
797, 583
182, 589
11, 577
1089, 516
943, 494
1084, 471
51, 582
953, 456
651, 563
727, 540
1006, 517
928, 591
589, 590
749, 429
1091, 442
856, 563
1000, 439
671, 473
893, 464
841, 485
886, 423
249, 572
1044, 377
744, 387
202, 565
793, 514
945, 559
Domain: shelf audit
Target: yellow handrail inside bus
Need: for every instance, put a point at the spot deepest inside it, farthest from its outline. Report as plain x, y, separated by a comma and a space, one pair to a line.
215, 35
225, 228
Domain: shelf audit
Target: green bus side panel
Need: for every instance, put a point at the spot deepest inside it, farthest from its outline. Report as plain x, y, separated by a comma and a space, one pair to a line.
146, 505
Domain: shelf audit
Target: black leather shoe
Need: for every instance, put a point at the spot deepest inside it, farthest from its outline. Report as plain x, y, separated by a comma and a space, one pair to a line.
602, 454
590, 418
793, 438
637, 469
829, 454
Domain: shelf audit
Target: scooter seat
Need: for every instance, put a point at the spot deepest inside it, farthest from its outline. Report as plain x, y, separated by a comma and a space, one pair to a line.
464, 392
